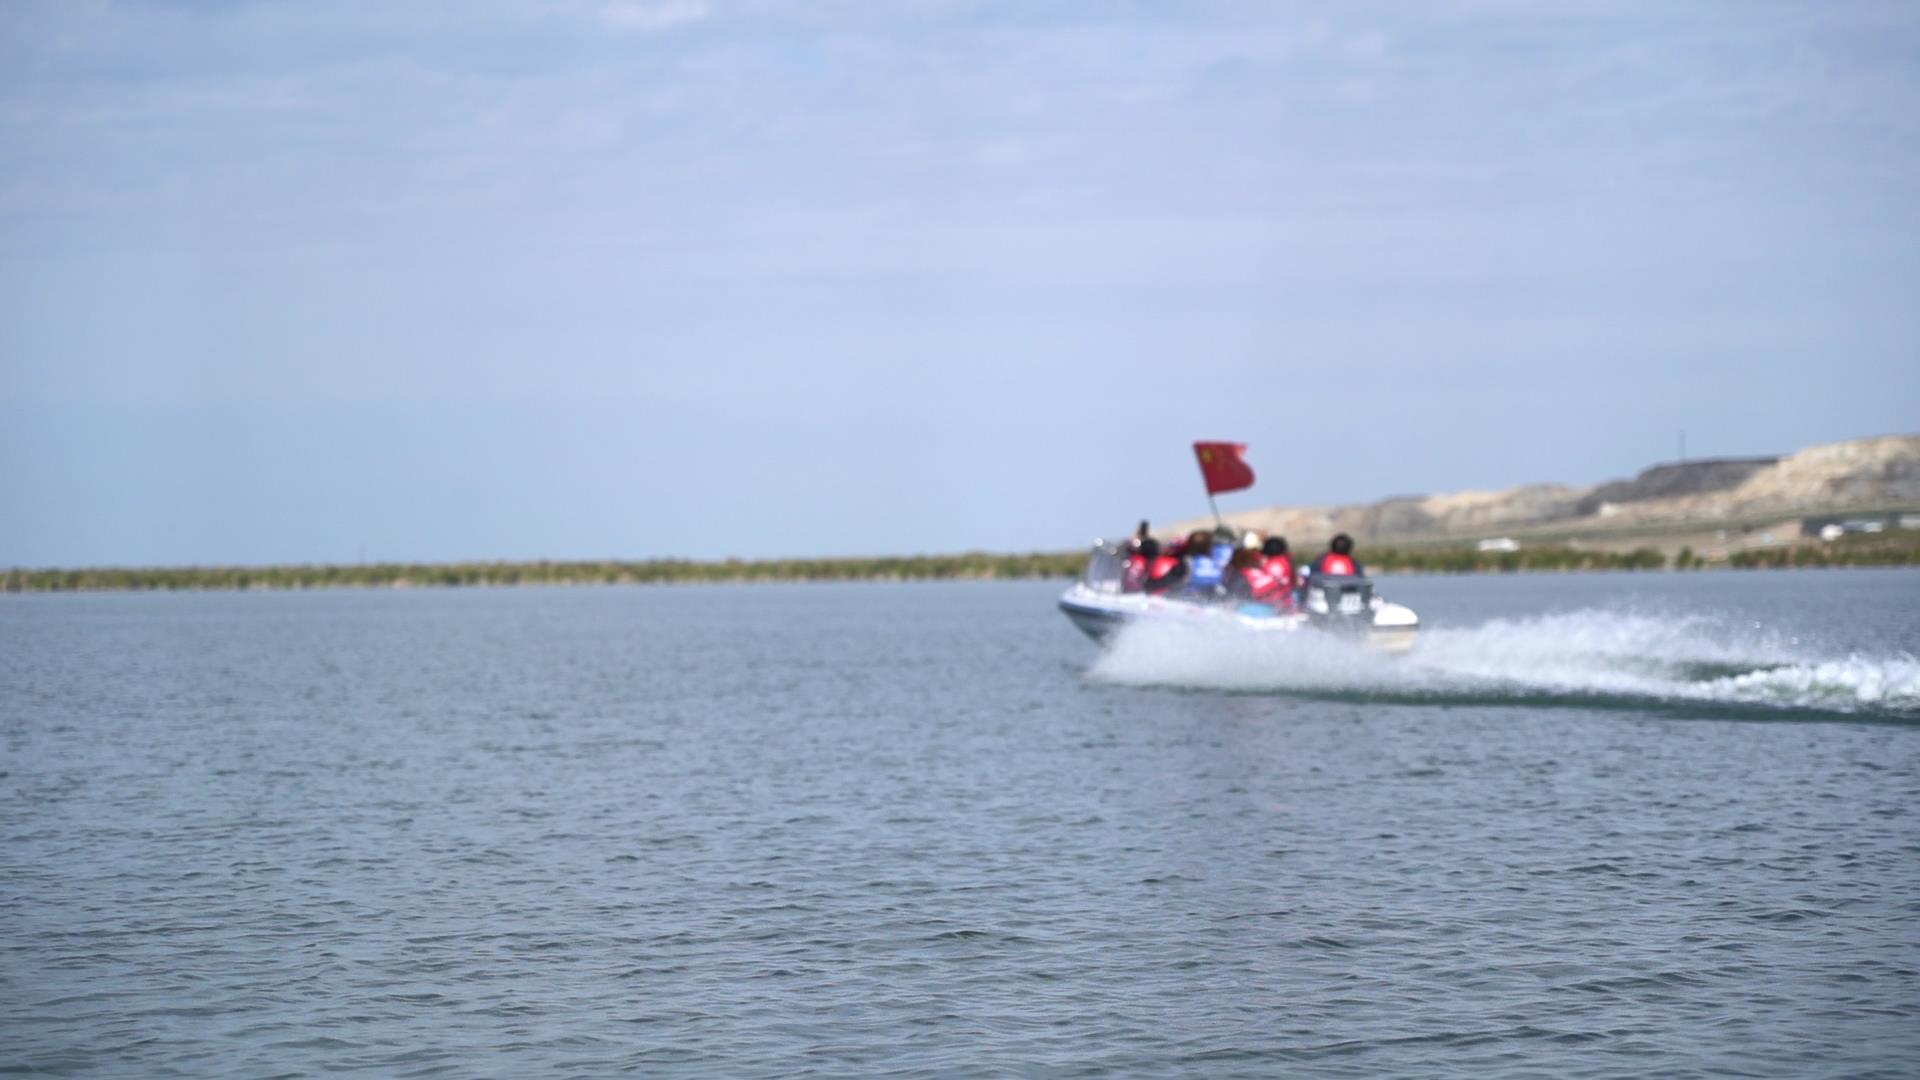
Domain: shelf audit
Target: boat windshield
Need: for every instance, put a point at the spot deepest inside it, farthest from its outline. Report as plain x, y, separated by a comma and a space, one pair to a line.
1106, 567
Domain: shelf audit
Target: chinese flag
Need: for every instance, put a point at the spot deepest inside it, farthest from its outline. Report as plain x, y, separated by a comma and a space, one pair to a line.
1223, 466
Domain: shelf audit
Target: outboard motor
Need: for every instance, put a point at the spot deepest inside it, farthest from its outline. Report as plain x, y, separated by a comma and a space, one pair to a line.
1338, 601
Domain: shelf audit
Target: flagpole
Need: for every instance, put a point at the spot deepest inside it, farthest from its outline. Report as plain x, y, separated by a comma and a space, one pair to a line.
1205, 483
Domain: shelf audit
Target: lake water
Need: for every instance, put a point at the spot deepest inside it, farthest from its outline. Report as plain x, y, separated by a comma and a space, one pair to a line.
1601, 825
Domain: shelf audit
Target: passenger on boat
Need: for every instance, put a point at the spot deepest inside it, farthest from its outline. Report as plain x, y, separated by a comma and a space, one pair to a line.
1205, 566
1277, 561
1338, 559
1225, 543
1249, 580
1164, 569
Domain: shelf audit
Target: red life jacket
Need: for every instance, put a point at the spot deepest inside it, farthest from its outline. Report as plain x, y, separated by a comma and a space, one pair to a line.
1135, 576
1280, 566
1265, 587
1335, 564
1162, 566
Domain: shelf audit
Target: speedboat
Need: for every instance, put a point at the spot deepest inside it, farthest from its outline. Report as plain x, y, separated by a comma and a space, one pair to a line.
1333, 604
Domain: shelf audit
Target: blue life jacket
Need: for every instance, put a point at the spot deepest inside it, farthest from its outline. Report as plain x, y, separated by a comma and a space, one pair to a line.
1203, 571
1223, 553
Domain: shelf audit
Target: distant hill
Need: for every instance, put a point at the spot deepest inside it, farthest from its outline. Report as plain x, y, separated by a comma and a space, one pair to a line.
1666, 504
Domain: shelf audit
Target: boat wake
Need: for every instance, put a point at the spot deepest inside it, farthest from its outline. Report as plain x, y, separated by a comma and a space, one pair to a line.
1590, 657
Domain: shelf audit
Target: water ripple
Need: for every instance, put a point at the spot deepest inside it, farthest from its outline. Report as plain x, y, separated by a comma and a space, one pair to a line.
809, 832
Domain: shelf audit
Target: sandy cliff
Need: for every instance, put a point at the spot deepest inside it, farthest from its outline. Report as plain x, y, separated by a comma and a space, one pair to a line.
1864, 474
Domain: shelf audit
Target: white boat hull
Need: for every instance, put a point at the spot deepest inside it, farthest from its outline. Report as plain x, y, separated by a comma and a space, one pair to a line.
1099, 613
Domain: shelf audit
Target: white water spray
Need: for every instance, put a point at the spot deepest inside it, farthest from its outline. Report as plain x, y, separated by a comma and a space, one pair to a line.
1592, 652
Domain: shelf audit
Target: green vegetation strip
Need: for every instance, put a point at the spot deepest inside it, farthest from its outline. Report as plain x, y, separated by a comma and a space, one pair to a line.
1897, 549
1470, 561
652, 572
1885, 550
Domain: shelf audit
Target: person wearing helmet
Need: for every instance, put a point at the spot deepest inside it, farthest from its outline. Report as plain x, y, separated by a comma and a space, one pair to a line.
1277, 561
1338, 559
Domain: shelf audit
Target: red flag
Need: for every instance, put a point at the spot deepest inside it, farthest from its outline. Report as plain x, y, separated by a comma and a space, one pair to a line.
1223, 466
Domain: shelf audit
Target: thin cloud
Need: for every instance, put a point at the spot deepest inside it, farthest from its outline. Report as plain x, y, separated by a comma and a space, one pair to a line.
1598, 222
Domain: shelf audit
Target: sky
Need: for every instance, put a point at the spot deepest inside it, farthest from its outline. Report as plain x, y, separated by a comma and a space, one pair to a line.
298, 282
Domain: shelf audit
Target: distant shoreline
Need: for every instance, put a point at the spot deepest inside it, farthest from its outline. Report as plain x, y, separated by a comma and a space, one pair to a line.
968, 566
963, 567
